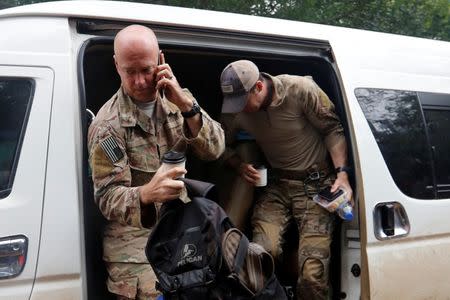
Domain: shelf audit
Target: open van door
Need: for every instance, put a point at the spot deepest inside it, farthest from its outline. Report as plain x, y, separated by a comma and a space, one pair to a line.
25, 104
399, 107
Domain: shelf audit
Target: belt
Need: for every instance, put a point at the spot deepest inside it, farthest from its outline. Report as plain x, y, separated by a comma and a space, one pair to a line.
315, 172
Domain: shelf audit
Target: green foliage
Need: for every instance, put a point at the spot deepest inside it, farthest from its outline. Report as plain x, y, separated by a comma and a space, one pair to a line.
12, 3
421, 18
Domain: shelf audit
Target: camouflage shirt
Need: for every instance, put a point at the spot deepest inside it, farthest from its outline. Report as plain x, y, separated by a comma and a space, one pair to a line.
125, 148
296, 129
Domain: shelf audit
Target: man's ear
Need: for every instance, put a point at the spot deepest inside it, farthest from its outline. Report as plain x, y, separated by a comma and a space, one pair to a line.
259, 86
115, 62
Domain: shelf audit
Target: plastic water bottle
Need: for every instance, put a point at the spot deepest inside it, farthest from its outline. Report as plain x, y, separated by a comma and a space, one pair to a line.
345, 212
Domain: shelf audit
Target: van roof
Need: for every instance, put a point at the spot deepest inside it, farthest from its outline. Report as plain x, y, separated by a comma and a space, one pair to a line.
141, 12
186, 17
352, 47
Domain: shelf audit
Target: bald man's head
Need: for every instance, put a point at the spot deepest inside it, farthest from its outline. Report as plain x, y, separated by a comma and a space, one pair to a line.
136, 53
134, 35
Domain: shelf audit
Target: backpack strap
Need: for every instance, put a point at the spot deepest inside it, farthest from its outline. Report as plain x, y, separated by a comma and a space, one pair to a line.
241, 253
196, 188
186, 280
249, 263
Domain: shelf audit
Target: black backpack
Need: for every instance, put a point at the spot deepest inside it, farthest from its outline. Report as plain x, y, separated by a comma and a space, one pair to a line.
196, 253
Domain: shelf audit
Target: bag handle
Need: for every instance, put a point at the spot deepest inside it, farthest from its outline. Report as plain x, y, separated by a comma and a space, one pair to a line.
249, 263
241, 253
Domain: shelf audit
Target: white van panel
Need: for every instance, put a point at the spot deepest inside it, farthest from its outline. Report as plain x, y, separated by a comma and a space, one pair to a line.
33, 35
397, 267
21, 210
58, 275
392, 62
58, 287
47, 42
412, 266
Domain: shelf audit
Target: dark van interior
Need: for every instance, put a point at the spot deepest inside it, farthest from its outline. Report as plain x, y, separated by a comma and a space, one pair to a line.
197, 66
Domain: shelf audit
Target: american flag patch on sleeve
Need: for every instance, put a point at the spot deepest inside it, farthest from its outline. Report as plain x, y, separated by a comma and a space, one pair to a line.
111, 148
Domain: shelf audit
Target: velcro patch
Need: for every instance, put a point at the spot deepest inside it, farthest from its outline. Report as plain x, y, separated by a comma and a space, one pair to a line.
228, 89
112, 150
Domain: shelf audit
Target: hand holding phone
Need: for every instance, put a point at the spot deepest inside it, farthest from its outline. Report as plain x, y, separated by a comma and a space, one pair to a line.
165, 81
330, 201
168, 85
328, 195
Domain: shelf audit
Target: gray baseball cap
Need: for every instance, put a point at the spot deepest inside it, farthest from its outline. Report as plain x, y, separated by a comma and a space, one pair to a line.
236, 81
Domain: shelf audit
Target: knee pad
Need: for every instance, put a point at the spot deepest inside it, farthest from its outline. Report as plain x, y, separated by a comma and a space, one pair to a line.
313, 270
313, 264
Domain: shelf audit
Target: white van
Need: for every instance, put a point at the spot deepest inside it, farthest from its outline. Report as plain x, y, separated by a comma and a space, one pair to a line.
392, 93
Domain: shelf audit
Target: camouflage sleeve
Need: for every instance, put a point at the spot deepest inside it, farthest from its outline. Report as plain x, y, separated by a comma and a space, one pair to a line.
319, 110
112, 177
209, 144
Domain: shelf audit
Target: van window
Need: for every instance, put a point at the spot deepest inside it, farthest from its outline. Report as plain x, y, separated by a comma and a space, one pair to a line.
15, 100
436, 109
413, 138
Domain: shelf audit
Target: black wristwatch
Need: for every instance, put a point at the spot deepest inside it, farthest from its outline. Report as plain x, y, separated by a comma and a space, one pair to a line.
194, 110
343, 169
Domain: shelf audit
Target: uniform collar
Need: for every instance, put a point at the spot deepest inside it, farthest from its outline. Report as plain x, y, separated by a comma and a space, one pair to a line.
279, 91
130, 115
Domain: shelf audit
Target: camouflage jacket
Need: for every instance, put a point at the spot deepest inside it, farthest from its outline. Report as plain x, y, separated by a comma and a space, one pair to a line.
297, 129
125, 147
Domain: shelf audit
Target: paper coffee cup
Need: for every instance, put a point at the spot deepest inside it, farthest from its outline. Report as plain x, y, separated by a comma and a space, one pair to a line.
173, 159
262, 170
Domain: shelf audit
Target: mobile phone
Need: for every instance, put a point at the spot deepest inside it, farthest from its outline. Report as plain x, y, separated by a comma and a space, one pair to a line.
328, 195
161, 60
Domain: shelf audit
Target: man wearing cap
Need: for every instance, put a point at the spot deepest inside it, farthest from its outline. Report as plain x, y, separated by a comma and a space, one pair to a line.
148, 116
294, 123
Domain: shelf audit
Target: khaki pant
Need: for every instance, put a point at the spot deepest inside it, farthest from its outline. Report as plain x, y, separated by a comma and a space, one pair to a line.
287, 200
131, 281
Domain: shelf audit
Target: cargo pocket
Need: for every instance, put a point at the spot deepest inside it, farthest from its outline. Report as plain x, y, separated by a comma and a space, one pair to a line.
143, 152
123, 286
143, 160
149, 213
317, 220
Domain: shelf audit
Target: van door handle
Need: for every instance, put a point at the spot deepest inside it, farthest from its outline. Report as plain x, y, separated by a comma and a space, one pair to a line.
390, 221
13, 255
387, 219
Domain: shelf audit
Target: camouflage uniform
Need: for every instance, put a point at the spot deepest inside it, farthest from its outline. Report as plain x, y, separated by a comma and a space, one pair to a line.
125, 147
295, 133
287, 200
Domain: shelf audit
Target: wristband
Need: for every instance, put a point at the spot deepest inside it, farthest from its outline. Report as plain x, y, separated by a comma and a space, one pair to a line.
343, 169
194, 110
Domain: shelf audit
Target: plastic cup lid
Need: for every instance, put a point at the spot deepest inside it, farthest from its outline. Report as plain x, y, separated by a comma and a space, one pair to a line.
259, 166
173, 157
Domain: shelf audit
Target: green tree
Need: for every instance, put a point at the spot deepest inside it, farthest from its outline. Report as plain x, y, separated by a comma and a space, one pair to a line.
11, 3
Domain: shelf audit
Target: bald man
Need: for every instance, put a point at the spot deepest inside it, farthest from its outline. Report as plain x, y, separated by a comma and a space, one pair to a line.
149, 115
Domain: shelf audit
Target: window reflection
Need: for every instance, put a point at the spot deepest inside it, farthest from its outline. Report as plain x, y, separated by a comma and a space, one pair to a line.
396, 120
15, 95
438, 124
